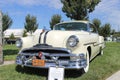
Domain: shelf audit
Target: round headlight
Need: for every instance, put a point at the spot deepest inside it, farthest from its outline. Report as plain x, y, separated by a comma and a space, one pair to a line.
19, 43
72, 41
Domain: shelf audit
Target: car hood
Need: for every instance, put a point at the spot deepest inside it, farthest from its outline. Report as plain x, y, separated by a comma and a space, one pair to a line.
59, 38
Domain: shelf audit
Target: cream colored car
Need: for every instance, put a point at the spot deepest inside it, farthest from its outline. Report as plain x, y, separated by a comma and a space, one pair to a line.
70, 45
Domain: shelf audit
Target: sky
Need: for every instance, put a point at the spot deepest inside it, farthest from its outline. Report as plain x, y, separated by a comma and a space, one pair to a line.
108, 11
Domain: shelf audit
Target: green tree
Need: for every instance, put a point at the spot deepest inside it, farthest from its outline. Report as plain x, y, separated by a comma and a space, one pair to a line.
97, 24
30, 24
6, 21
79, 9
54, 20
12, 36
112, 32
24, 33
105, 30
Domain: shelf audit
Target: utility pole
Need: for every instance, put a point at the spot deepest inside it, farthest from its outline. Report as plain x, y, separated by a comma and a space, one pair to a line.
1, 52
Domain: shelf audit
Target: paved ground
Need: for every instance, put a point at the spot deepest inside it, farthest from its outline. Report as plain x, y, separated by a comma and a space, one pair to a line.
7, 63
115, 76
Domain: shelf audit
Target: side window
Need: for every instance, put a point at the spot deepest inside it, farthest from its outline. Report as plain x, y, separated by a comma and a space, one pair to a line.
92, 28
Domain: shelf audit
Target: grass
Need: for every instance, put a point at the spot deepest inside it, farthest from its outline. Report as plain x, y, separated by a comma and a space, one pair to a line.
106, 65
100, 68
10, 52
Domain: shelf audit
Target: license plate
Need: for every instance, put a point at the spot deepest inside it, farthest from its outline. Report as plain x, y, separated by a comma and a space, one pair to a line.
37, 62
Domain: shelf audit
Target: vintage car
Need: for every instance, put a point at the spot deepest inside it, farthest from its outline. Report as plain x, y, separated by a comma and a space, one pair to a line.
70, 45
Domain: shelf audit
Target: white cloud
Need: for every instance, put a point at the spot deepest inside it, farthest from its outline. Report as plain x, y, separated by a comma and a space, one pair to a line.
55, 3
50, 3
108, 11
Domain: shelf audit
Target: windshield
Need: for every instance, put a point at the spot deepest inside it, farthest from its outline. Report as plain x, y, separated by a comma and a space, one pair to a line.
71, 26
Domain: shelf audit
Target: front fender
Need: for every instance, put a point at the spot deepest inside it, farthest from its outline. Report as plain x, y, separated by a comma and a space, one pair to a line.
27, 42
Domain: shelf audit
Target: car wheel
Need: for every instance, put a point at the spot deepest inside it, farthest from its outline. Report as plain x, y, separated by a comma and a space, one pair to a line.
85, 69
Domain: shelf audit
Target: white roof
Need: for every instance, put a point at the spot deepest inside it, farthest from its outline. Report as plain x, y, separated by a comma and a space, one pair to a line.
17, 32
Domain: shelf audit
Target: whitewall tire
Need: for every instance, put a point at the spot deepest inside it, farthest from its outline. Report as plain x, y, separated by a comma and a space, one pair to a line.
85, 70
101, 52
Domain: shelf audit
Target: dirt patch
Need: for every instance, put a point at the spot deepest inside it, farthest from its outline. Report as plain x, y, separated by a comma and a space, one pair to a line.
7, 63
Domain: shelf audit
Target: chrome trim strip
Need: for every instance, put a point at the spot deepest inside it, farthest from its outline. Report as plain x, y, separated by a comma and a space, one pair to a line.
94, 43
90, 43
99, 44
40, 37
45, 36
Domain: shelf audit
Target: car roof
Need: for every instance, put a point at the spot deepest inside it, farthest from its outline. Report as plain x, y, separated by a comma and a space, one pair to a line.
83, 21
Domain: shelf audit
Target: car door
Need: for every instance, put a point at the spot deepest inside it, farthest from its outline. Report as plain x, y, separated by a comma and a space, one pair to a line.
95, 39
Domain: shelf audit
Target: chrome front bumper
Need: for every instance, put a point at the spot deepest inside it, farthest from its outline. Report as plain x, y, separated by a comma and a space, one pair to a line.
66, 64
68, 61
